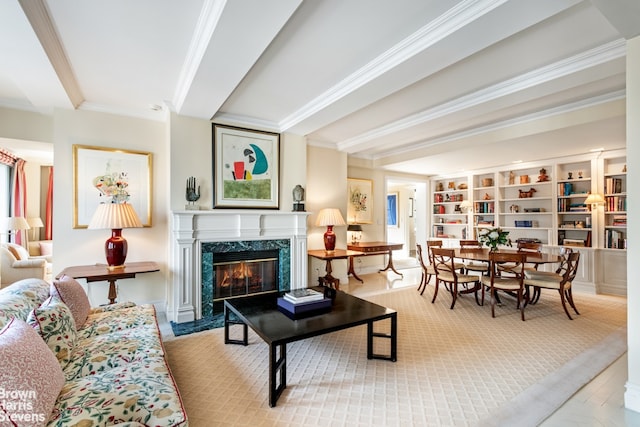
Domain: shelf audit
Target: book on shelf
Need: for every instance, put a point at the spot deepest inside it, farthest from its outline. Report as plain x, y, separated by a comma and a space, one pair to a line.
298, 296
613, 185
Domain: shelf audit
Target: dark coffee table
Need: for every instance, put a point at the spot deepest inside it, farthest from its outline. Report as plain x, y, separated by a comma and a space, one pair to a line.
261, 314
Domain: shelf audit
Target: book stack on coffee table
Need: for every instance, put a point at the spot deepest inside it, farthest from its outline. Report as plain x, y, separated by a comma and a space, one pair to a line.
299, 303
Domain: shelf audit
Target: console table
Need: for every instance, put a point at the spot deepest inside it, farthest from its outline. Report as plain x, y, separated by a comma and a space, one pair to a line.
374, 248
101, 272
328, 256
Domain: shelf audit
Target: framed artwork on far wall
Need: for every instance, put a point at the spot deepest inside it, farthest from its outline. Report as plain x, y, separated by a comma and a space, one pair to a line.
246, 168
359, 201
110, 175
392, 210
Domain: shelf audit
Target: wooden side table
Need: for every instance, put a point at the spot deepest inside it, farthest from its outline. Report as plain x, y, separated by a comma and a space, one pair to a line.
376, 248
328, 256
101, 273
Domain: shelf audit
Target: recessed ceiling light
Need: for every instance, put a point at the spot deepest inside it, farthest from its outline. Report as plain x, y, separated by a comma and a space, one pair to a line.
517, 161
156, 107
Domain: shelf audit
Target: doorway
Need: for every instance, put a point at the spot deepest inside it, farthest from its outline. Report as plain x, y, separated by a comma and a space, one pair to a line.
409, 227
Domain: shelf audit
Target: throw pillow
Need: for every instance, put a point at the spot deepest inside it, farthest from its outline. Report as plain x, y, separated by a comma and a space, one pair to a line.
73, 295
30, 376
46, 248
18, 251
54, 322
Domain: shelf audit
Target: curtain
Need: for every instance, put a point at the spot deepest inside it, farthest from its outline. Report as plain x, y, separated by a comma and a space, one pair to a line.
48, 222
7, 158
19, 198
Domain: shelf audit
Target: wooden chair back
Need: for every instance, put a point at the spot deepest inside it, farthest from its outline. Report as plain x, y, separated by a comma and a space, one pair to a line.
470, 244
529, 247
443, 261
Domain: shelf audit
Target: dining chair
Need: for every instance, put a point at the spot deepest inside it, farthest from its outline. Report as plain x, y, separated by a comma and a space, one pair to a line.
438, 244
527, 247
513, 283
427, 270
447, 273
534, 292
560, 281
479, 267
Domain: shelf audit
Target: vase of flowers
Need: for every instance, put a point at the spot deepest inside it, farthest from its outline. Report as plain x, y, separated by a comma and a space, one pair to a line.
492, 237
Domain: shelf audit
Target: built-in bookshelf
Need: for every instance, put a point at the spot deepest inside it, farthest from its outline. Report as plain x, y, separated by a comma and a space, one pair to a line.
449, 220
575, 219
615, 207
484, 201
525, 203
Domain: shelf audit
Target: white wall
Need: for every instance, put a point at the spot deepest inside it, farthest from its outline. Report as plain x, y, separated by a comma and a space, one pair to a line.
632, 395
82, 246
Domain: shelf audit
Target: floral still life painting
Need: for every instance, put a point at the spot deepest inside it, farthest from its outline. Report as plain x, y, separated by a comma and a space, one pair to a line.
109, 175
492, 237
246, 168
360, 201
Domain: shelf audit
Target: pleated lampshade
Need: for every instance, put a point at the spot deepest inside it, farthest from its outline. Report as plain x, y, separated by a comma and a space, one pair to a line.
115, 216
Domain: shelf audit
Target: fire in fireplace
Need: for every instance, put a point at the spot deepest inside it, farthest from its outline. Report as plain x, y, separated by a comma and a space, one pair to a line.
242, 273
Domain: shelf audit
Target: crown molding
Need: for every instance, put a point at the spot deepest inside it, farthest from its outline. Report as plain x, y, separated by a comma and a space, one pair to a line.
38, 15
601, 54
551, 112
206, 26
436, 30
246, 121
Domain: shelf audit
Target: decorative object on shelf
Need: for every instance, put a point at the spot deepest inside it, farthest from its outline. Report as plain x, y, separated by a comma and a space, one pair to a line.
512, 178
356, 232
526, 194
360, 200
492, 237
514, 208
192, 194
452, 185
115, 216
329, 217
543, 177
298, 198
624, 169
579, 174
569, 175
524, 179
486, 196
487, 182
440, 187
462, 186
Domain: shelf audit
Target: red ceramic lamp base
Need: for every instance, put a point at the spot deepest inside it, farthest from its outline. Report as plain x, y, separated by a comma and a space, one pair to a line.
329, 239
115, 249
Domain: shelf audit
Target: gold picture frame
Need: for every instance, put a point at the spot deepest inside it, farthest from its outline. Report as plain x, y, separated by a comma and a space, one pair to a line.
359, 201
102, 174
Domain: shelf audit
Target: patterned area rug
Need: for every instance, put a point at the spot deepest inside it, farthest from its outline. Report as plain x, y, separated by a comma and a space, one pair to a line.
455, 367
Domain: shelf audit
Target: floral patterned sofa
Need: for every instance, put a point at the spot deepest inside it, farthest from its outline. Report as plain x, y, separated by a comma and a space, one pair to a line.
63, 363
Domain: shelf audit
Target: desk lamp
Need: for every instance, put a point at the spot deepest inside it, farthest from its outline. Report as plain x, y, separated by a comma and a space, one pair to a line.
356, 232
115, 216
329, 217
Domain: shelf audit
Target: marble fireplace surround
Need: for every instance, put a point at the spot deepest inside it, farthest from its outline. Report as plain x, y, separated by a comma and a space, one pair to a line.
190, 229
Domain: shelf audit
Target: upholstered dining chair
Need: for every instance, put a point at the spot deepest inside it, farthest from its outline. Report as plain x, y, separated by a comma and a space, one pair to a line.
478, 267
427, 270
438, 244
513, 283
560, 280
534, 292
446, 272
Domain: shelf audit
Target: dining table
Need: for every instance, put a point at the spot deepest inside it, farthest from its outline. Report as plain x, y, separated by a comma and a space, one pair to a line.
482, 254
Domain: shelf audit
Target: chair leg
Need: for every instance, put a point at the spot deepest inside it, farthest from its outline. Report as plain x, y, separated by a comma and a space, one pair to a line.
492, 296
522, 303
435, 291
422, 283
454, 294
478, 285
564, 303
570, 299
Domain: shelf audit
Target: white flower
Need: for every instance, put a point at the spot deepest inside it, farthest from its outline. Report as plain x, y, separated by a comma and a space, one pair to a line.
494, 235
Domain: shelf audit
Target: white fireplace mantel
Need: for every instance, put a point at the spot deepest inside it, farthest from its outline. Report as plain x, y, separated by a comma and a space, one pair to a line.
191, 228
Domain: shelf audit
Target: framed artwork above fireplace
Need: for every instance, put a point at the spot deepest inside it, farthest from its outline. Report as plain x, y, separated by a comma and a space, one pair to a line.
246, 168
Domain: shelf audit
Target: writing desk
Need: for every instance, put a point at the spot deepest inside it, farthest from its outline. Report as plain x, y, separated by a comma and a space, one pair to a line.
374, 248
101, 273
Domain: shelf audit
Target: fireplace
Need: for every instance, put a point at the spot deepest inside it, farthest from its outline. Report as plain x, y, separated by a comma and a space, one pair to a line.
201, 237
238, 274
235, 269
